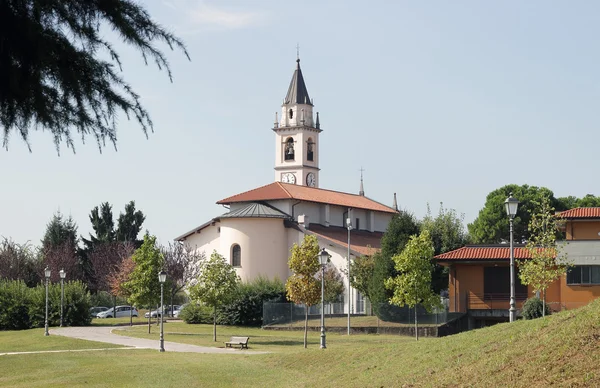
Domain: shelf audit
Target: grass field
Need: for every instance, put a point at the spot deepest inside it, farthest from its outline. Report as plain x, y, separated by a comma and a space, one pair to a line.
561, 350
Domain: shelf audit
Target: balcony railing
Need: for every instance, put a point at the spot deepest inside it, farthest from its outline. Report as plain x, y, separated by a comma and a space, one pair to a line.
493, 300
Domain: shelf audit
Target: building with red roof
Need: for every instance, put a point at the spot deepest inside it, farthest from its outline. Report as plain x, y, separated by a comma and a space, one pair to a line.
479, 277
263, 223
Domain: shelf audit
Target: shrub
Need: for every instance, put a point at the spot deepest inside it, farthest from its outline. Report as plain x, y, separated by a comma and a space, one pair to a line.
24, 308
247, 307
196, 313
532, 308
14, 299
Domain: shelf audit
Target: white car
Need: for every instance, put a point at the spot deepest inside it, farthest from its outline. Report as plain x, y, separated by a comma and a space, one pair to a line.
157, 313
176, 312
122, 311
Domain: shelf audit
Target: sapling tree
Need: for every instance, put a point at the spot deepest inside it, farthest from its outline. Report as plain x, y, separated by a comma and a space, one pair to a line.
412, 285
182, 264
303, 287
215, 286
334, 285
548, 261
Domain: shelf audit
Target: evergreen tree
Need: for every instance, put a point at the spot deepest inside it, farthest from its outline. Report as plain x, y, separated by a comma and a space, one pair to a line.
130, 224
60, 248
59, 73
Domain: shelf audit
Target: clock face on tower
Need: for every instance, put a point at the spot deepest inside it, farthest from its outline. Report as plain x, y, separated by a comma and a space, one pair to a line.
310, 180
288, 177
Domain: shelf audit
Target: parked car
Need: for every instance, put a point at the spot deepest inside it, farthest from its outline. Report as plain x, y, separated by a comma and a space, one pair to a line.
157, 313
122, 311
95, 310
176, 312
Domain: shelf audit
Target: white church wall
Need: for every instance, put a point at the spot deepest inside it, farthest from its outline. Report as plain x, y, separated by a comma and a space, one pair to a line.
382, 220
284, 205
309, 209
263, 244
361, 214
206, 241
337, 216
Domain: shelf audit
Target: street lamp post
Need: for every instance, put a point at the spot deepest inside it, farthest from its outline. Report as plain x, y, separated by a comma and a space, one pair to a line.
63, 274
162, 276
511, 204
349, 226
47, 276
323, 260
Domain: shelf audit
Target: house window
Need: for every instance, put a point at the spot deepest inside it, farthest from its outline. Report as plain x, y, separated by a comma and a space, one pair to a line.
236, 256
496, 284
289, 149
583, 274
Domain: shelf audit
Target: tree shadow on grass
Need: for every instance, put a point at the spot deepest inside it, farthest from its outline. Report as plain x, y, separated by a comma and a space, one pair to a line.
278, 342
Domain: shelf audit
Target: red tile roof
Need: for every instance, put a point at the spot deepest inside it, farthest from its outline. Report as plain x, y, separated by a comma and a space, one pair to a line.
361, 242
483, 253
280, 190
581, 212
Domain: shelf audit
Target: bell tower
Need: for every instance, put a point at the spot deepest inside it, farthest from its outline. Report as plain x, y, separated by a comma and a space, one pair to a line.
297, 136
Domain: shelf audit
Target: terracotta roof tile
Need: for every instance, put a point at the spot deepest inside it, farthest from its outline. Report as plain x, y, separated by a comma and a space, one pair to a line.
361, 242
483, 253
581, 212
278, 190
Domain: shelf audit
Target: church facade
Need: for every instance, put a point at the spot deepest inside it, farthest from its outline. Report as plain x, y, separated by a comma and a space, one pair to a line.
262, 224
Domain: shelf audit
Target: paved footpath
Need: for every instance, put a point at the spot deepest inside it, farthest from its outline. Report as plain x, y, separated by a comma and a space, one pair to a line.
105, 334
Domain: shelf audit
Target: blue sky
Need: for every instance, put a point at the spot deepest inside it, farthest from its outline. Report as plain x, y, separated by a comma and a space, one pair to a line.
437, 101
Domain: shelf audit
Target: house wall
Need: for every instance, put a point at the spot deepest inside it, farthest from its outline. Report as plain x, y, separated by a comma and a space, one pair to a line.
583, 230
573, 296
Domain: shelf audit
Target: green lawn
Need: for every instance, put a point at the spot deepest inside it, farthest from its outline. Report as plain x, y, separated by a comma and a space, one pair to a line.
562, 350
34, 340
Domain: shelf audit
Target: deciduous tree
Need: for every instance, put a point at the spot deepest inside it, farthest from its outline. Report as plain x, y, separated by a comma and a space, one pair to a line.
19, 262
182, 264
59, 73
400, 229
334, 285
412, 285
215, 286
361, 274
447, 233
303, 287
548, 261
143, 286
491, 225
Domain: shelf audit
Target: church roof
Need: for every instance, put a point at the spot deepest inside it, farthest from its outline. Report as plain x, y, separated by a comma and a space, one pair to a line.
278, 190
297, 93
256, 210
362, 242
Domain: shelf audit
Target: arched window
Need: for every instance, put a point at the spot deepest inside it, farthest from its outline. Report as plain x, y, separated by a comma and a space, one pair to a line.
236, 256
291, 114
309, 150
289, 149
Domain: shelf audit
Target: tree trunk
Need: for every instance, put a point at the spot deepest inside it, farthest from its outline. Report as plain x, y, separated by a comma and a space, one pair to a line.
131, 316
149, 322
305, 325
215, 324
544, 304
114, 306
416, 325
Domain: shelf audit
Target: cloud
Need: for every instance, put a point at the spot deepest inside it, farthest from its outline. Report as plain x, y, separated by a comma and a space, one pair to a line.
209, 15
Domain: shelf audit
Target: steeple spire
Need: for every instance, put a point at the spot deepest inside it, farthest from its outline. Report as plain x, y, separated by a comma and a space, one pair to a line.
361, 192
297, 93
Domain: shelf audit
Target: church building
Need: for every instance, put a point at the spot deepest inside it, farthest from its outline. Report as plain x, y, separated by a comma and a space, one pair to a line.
262, 224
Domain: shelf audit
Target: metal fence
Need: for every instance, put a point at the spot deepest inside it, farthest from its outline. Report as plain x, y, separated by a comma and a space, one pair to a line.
290, 314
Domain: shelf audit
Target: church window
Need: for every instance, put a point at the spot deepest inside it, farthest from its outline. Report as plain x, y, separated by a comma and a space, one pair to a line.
289, 149
309, 152
357, 225
291, 114
236, 256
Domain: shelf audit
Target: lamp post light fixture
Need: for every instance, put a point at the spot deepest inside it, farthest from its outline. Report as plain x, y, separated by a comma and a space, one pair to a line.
349, 226
47, 274
324, 257
512, 204
63, 275
162, 276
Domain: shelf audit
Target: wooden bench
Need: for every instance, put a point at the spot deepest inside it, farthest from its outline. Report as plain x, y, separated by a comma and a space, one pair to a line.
241, 341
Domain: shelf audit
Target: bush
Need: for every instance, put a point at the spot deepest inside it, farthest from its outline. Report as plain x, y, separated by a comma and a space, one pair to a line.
247, 307
196, 313
532, 308
25, 308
